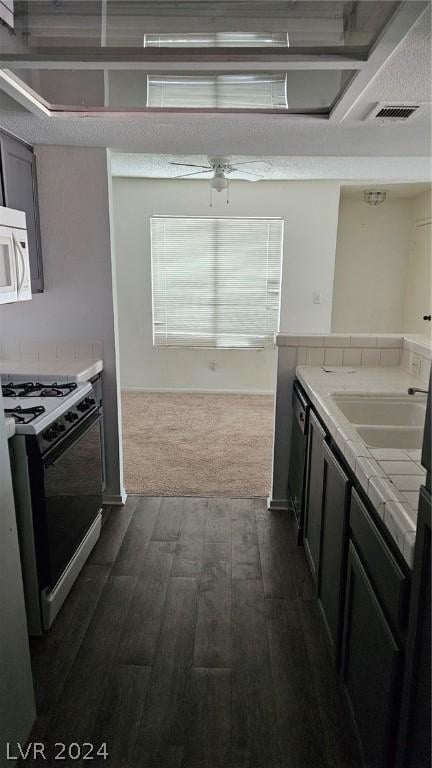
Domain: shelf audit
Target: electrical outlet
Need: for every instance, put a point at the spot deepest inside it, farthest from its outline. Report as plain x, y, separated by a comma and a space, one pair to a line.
416, 364
212, 365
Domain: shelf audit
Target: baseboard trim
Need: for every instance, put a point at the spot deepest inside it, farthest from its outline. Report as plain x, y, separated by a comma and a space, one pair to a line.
277, 504
115, 499
201, 391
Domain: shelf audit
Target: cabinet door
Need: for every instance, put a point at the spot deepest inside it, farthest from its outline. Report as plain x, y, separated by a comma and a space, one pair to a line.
20, 192
415, 732
314, 494
371, 663
334, 542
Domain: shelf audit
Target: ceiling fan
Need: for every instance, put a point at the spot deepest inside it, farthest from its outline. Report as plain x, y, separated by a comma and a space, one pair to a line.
221, 168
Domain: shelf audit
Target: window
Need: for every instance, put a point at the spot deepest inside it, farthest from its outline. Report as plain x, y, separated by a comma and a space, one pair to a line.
217, 39
215, 281
268, 91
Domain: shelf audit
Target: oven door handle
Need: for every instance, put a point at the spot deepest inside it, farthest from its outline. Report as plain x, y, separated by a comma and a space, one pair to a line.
59, 449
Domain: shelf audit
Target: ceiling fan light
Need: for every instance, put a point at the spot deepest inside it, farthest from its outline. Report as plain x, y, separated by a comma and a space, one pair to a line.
374, 197
219, 183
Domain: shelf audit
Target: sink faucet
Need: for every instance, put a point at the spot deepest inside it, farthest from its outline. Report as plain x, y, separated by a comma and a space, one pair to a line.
414, 390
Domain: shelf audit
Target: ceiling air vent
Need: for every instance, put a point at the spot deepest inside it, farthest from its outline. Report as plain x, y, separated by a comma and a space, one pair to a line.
393, 112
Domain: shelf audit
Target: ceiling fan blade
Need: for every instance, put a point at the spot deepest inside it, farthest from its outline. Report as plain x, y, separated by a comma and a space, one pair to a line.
192, 165
194, 173
262, 162
248, 173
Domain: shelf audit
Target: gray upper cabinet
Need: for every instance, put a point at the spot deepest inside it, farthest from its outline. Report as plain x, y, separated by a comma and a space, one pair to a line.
19, 190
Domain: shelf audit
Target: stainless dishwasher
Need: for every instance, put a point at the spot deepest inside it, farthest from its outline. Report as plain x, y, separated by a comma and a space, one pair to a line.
297, 463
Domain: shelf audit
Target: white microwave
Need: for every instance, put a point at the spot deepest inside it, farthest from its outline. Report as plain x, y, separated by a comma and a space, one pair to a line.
15, 280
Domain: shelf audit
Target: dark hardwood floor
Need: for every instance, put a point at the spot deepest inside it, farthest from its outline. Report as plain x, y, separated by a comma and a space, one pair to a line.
192, 639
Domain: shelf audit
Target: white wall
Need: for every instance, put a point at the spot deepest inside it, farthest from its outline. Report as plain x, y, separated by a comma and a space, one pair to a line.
418, 278
310, 211
372, 248
74, 199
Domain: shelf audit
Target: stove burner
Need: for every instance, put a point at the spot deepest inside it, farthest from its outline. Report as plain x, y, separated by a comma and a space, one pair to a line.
7, 391
35, 389
24, 415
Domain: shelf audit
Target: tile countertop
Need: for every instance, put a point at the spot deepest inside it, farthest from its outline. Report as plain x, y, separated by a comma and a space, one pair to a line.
74, 369
10, 427
391, 477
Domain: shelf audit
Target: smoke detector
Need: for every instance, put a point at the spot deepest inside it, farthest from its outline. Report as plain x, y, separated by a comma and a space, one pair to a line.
395, 111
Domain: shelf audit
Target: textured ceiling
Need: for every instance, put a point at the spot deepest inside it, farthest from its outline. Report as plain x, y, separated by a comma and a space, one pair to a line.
389, 169
405, 76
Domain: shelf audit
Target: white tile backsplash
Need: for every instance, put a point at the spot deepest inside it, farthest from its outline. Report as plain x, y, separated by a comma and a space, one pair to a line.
390, 357
52, 350
352, 357
311, 341
363, 341
333, 356
336, 340
315, 356
370, 358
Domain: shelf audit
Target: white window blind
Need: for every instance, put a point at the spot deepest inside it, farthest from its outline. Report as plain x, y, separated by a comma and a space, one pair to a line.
216, 40
242, 91
215, 281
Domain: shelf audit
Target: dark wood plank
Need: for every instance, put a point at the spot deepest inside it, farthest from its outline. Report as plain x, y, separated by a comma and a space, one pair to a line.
216, 562
254, 730
167, 526
219, 520
120, 713
213, 631
189, 549
113, 531
338, 728
245, 553
301, 737
165, 714
75, 714
130, 557
61, 644
142, 626
208, 738
277, 554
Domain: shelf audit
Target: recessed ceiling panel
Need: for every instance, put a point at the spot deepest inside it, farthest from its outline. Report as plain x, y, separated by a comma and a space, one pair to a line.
347, 26
295, 91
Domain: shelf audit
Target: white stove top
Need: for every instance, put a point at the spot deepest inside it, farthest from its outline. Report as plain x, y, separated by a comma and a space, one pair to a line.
53, 407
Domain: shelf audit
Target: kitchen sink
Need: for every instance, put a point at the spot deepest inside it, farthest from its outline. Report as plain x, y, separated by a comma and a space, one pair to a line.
391, 410
386, 421
408, 438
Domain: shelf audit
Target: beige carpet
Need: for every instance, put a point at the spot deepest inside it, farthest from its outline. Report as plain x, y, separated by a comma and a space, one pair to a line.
179, 444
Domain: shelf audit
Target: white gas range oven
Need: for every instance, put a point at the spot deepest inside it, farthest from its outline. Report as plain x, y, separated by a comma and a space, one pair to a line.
56, 458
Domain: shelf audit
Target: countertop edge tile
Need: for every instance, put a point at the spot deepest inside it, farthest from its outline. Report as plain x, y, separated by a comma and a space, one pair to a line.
369, 469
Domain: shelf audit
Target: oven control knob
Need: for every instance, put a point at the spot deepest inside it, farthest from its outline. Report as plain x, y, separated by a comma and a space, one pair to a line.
59, 427
85, 404
71, 416
49, 434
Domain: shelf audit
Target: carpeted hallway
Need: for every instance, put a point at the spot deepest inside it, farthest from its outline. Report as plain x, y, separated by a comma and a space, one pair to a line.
182, 444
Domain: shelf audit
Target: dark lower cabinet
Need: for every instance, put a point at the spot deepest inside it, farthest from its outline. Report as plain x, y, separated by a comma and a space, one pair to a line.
19, 191
371, 666
415, 728
332, 563
314, 494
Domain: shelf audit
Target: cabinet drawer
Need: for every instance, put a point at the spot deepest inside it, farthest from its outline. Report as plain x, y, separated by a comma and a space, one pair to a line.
388, 579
